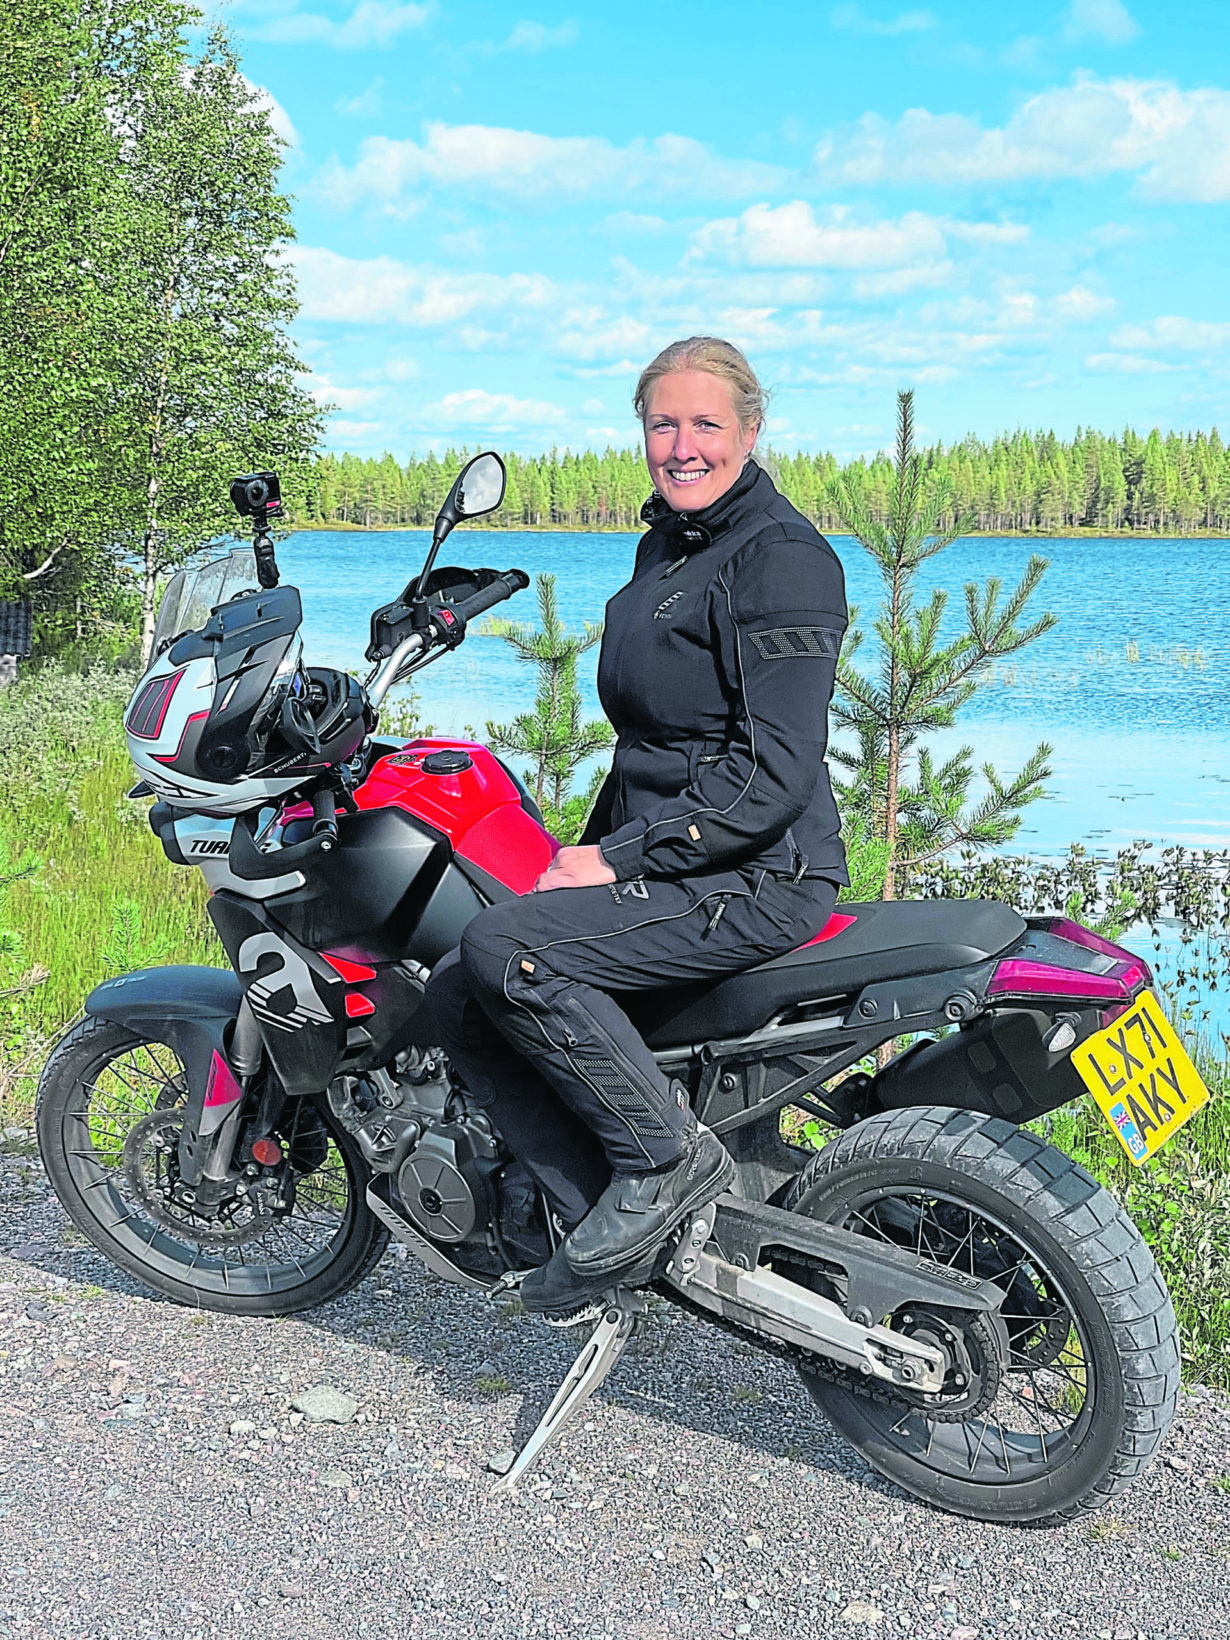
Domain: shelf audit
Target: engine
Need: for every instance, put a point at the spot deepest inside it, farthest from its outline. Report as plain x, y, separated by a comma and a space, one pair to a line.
410, 1124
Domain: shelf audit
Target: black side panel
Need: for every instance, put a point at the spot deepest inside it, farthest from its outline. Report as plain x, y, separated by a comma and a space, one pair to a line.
452, 905
314, 1023
298, 1000
371, 889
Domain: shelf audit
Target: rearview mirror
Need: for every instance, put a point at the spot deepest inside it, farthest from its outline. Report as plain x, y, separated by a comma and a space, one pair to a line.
480, 486
477, 489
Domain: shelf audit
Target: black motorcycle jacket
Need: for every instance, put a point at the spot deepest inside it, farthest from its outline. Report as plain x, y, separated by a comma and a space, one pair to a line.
716, 672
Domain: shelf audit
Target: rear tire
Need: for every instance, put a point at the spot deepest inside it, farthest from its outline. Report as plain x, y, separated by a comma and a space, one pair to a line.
99, 1084
1093, 1347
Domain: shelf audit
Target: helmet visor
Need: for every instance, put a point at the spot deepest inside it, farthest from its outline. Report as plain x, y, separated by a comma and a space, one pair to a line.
193, 593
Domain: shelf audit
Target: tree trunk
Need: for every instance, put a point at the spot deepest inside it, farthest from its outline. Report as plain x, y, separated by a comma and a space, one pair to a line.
149, 596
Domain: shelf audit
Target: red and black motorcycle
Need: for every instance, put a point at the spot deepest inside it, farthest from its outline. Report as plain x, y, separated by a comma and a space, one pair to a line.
969, 1308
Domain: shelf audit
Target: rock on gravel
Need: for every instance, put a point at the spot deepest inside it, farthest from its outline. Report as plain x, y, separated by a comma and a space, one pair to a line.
324, 1405
167, 1526
860, 1611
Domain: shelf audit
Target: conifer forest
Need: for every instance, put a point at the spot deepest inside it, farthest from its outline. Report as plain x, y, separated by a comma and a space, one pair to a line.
1163, 483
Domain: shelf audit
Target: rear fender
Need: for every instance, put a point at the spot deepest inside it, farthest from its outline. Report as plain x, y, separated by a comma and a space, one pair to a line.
190, 1010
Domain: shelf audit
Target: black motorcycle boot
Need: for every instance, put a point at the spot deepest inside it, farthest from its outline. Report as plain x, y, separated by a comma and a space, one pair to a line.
637, 1211
564, 1299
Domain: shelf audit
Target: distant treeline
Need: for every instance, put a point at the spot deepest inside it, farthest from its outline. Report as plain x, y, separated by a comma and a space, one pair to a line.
1169, 483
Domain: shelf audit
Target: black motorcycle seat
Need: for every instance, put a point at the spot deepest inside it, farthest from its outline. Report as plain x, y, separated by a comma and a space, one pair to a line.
885, 940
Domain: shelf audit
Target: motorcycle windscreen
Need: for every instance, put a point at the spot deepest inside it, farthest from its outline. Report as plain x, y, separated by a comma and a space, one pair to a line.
193, 593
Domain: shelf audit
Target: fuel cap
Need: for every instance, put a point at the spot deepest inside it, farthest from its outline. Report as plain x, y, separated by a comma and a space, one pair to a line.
447, 762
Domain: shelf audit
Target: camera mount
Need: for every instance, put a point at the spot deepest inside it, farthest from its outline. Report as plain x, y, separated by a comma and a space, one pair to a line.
258, 496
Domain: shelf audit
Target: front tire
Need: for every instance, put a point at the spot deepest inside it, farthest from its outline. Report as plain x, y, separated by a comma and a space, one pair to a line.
102, 1090
1088, 1387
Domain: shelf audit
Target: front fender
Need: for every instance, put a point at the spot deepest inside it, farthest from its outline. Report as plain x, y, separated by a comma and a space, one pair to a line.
189, 1009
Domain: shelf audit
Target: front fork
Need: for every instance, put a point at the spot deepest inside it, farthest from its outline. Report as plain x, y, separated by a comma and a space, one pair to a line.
214, 1114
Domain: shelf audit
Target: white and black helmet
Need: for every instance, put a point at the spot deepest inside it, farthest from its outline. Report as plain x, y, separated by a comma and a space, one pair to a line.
226, 718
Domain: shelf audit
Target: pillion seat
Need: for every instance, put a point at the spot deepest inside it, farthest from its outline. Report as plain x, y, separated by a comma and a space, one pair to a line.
860, 944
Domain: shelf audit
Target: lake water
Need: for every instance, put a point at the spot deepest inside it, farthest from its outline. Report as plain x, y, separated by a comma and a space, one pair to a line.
1130, 687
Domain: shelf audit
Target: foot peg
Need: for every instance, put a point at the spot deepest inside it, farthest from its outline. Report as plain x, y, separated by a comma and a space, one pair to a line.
621, 1316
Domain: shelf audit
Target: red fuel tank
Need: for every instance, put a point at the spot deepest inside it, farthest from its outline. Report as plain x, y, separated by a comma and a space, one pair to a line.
477, 807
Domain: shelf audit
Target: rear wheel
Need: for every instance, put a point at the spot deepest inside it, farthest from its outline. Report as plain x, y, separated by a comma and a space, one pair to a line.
110, 1107
1061, 1400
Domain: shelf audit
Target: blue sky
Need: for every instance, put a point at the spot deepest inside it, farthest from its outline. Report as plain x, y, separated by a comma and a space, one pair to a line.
1019, 210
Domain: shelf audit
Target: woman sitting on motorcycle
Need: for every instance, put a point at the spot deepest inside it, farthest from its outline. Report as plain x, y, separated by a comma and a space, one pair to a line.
714, 844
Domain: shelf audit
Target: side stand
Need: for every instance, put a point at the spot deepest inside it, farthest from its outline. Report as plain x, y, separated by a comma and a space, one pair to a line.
604, 1348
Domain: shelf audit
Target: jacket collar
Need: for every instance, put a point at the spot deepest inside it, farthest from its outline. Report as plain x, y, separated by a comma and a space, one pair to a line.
697, 530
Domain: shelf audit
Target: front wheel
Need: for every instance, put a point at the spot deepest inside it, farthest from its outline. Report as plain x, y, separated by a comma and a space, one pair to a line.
110, 1105
1062, 1401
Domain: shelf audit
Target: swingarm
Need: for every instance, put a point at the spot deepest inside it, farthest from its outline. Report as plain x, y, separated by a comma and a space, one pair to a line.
719, 1265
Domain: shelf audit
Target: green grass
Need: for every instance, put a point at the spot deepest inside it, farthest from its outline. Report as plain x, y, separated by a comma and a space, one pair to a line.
97, 895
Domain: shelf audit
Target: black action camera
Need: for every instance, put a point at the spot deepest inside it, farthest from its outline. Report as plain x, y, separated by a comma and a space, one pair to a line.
255, 494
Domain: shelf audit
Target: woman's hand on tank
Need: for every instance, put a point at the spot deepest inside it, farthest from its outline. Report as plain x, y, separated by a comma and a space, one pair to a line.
576, 868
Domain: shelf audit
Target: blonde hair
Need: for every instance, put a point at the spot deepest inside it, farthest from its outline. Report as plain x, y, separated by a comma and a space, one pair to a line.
720, 359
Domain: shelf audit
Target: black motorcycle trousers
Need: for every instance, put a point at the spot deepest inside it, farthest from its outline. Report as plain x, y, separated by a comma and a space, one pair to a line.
528, 1010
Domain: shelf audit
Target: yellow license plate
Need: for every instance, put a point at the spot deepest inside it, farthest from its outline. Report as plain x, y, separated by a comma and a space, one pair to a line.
1141, 1076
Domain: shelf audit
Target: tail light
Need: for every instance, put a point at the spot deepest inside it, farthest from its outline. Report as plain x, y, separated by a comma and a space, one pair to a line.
1118, 982
1065, 929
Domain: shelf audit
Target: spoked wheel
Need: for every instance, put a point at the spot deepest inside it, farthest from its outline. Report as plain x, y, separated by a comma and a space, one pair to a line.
110, 1108
1056, 1402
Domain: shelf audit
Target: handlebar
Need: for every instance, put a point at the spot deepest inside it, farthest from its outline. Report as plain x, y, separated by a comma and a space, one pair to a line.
446, 623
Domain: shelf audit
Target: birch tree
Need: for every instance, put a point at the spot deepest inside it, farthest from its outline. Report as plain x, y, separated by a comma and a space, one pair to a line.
213, 389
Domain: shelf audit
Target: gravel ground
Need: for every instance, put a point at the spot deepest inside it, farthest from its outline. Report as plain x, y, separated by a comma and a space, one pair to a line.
156, 1480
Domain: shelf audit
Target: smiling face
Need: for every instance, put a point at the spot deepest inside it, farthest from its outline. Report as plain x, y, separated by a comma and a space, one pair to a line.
694, 446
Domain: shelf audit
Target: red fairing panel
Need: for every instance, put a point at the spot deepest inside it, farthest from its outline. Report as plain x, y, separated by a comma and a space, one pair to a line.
478, 810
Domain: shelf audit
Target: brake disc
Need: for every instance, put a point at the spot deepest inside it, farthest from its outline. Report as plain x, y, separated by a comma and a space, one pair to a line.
151, 1167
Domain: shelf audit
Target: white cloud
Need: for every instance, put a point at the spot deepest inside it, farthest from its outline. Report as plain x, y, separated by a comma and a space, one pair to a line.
325, 391
1176, 141
593, 407
373, 23
266, 103
360, 431
1107, 20
1171, 333
1127, 364
535, 37
590, 335
473, 407
367, 105
1082, 304
907, 22
401, 370
987, 233
874, 286
793, 236
527, 165
381, 290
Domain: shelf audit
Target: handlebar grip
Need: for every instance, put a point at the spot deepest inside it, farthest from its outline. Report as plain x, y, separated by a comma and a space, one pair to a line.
502, 587
324, 816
